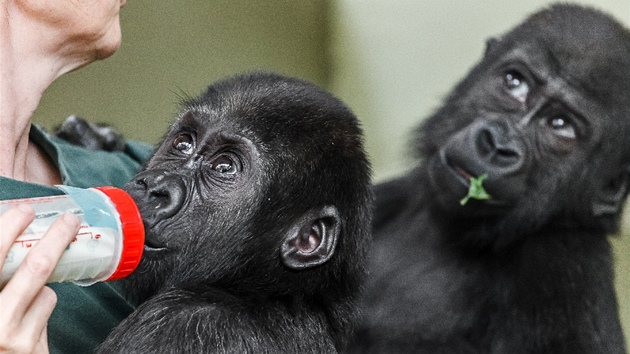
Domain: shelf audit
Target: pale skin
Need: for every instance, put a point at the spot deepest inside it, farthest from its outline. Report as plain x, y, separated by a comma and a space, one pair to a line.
40, 40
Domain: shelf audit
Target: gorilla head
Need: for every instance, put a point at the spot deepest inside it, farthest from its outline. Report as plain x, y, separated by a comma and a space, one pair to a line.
245, 170
259, 190
546, 116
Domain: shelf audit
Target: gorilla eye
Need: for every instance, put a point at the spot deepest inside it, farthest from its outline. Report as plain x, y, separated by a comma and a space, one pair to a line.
562, 127
516, 85
183, 142
224, 164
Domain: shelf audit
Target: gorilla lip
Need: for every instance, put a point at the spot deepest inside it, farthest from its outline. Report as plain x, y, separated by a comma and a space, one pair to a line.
462, 174
152, 248
467, 179
460, 171
475, 187
149, 246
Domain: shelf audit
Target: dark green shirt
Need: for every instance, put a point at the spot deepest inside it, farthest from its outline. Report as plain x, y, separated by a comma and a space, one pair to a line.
84, 315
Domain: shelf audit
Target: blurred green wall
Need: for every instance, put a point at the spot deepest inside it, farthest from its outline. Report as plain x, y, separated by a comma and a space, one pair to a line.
175, 48
391, 61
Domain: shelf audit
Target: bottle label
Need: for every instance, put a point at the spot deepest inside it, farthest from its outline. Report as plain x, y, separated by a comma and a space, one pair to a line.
96, 211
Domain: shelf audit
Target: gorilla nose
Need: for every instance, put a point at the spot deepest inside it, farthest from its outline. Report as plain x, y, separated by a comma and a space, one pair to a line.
497, 146
159, 195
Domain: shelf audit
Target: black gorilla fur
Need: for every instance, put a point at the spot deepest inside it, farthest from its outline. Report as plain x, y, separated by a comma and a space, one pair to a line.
257, 211
546, 114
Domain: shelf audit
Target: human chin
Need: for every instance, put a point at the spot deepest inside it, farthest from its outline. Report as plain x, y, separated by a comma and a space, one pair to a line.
109, 43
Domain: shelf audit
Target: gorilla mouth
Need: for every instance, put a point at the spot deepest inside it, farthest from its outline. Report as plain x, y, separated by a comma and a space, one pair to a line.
151, 246
148, 248
462, 174
467, 176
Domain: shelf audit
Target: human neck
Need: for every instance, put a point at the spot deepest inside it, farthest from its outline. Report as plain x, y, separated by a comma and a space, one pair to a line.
27, 68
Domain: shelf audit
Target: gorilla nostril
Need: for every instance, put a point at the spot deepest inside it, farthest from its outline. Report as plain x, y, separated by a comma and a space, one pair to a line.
142, 182
159, 198
507, 153
485, 143
495, 145
167, 197
159, 194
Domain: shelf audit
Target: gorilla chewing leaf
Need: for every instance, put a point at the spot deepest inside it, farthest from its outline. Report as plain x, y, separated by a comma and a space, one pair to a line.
475, 190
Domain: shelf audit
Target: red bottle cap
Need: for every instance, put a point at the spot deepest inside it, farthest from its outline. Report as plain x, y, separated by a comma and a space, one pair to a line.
132, 228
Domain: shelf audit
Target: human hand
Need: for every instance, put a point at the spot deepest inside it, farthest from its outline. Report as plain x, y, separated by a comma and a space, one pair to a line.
25, 302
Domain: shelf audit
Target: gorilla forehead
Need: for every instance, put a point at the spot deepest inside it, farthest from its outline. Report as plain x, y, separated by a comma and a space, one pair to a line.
567, 28
587, 47
274, 112
267, 102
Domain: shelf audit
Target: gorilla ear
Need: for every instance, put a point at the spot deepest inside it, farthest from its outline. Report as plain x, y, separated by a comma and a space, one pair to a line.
312, 239
491, 43
609, 200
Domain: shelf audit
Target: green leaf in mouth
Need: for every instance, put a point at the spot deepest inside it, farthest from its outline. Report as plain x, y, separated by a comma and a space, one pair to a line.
475, 190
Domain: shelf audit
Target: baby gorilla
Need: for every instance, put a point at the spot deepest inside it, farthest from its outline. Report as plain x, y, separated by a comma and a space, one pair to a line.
257, 211
543, 120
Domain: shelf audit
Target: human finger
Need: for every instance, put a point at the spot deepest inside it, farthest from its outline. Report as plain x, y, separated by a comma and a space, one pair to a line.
29, 334
12, 223
37, 266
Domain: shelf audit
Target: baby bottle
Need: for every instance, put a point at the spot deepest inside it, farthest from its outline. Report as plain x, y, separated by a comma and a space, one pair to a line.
109, 243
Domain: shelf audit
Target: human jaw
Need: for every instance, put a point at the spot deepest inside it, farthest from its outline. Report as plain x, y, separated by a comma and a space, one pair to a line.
90, 28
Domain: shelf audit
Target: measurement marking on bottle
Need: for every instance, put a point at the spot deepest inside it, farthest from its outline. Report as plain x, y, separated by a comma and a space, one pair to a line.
29, 243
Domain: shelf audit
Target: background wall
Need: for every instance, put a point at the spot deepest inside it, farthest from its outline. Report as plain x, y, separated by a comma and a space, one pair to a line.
175, 48
391, 61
